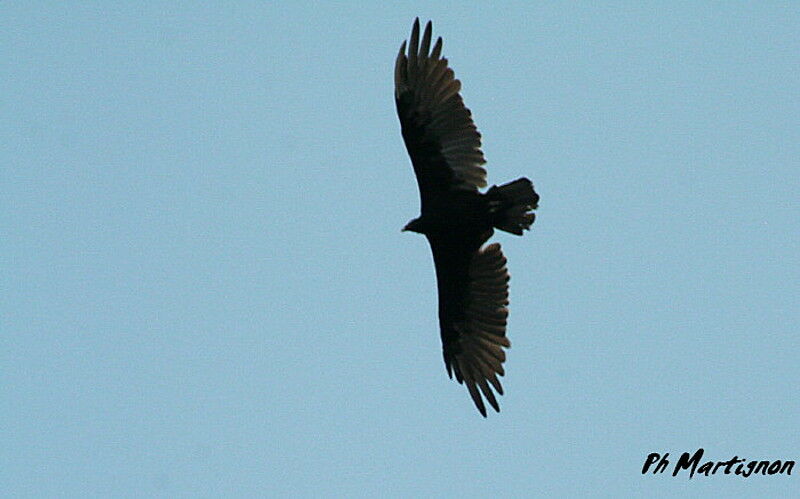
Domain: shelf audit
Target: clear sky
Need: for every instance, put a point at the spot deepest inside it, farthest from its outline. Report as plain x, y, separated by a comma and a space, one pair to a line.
205, 290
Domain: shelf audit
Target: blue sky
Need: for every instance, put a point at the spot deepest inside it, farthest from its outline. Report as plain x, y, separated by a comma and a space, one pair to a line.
205, 290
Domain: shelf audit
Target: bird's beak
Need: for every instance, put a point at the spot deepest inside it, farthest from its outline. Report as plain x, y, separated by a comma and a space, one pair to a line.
404, 229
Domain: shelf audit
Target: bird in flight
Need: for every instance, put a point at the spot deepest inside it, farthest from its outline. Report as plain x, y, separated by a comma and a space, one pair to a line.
456, 218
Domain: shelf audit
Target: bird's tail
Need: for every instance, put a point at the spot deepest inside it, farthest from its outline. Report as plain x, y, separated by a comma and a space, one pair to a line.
511, 205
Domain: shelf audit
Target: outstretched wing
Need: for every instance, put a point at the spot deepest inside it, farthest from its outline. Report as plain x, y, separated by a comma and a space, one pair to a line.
473, 295
441, 138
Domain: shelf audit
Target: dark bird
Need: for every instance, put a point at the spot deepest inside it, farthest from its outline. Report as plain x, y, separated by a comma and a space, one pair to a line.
456, 218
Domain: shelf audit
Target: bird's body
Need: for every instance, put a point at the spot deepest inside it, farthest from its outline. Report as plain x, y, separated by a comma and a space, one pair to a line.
456, 218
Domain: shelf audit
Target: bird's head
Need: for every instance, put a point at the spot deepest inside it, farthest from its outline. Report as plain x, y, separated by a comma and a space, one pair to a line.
414, 226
